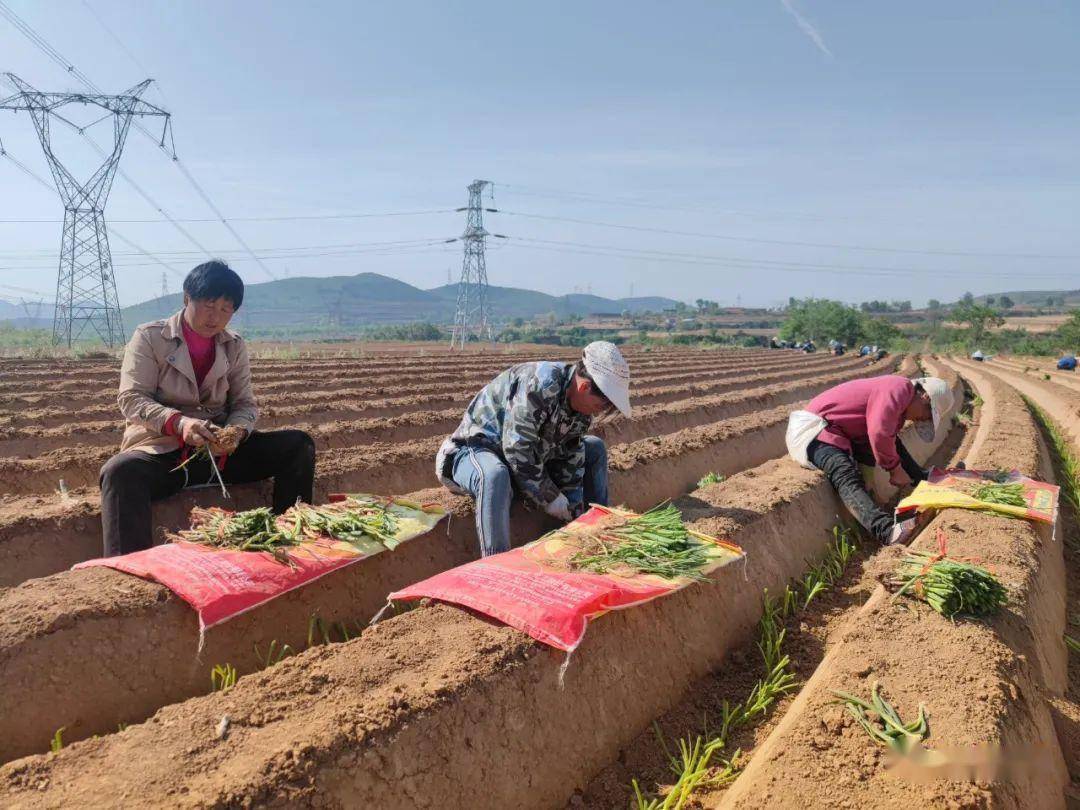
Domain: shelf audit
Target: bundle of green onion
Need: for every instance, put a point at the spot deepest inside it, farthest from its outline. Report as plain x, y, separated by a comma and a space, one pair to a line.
656, 542
1006, 494
352, 520
950, 586
886, 728
252, 530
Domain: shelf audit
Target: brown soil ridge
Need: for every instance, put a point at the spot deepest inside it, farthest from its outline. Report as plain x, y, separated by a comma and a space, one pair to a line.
38, 623
357, 400
808, 636
984, 683
1061, 402
79, 466
30, 439
779, 498
1038, 370
406, 716
342, 376
23, 554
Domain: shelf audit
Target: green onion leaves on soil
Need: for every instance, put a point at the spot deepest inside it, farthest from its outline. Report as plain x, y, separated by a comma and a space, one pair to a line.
222, 677
656, 542
881, 722
709, 478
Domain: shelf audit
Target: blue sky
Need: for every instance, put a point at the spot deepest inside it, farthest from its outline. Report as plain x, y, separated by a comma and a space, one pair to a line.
856, 131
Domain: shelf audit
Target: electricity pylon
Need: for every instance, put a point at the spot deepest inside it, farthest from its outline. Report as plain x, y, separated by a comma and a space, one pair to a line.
85, 285
473, 315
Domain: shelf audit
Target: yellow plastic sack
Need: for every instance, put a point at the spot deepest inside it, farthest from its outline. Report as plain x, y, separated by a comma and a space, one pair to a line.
949, 488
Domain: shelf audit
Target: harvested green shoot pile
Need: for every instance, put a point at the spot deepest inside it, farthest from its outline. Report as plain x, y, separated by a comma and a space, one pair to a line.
656, 543
950, 586
253, 530
709, 478
880, 720
352, 521
1005, 494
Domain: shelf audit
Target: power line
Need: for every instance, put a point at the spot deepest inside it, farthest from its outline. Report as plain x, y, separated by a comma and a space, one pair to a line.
86, 296
704, 208
283, 218
40, 41
112, 231
48, 49
790, 243
748, 264
343, 246
389, 251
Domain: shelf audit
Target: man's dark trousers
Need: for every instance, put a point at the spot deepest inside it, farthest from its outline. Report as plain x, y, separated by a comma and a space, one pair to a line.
130, 481
842, 470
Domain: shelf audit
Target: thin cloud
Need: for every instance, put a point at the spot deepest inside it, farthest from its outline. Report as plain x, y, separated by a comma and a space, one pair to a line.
807, 27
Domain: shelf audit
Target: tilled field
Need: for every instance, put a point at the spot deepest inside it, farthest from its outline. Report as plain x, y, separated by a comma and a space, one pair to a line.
438, 708
388, 448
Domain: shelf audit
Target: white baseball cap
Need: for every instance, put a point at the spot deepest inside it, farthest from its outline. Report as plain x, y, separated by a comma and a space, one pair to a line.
941, 400
610, 372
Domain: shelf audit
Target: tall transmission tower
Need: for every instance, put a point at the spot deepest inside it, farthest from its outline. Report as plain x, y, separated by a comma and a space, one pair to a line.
164, 285
473, 316
85, 286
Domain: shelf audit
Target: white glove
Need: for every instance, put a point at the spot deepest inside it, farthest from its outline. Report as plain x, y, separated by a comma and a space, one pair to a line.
560, 509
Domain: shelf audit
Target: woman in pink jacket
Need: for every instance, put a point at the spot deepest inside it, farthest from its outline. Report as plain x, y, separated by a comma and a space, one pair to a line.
859, 422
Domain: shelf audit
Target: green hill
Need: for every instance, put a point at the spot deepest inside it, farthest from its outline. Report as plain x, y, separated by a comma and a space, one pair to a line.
1037, 298
339, 303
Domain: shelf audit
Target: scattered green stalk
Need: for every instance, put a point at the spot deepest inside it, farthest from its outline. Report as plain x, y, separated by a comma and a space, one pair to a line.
950, 586
1005, 494
222, 677
274, 654
656, 542
252, 530
352, 521
1066, 464
881, 722
696, 752
1072, 644
709, 478
57, 741
789, 603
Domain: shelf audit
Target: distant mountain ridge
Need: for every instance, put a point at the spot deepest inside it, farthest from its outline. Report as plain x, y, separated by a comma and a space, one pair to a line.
370, 299
1035, 297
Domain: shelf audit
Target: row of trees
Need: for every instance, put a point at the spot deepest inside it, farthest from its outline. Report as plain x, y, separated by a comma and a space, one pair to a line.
820, 319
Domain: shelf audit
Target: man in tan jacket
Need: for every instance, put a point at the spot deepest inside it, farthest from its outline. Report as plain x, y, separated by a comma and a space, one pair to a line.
183, 378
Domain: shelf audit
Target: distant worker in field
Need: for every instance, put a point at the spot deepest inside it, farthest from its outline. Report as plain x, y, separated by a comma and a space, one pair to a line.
859, 422
526, 432
1067, 363
185, 381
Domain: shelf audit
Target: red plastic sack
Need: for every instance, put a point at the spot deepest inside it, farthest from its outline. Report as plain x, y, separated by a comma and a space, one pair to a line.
528, 589
221, 584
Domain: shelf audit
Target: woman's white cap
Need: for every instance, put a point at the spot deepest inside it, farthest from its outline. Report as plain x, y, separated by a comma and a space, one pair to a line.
941, 400
610, 372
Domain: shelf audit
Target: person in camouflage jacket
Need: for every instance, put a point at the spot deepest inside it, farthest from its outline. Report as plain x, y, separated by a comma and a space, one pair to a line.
526, 431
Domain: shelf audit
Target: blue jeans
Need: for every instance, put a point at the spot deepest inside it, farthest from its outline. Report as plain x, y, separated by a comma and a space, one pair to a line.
485, 476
